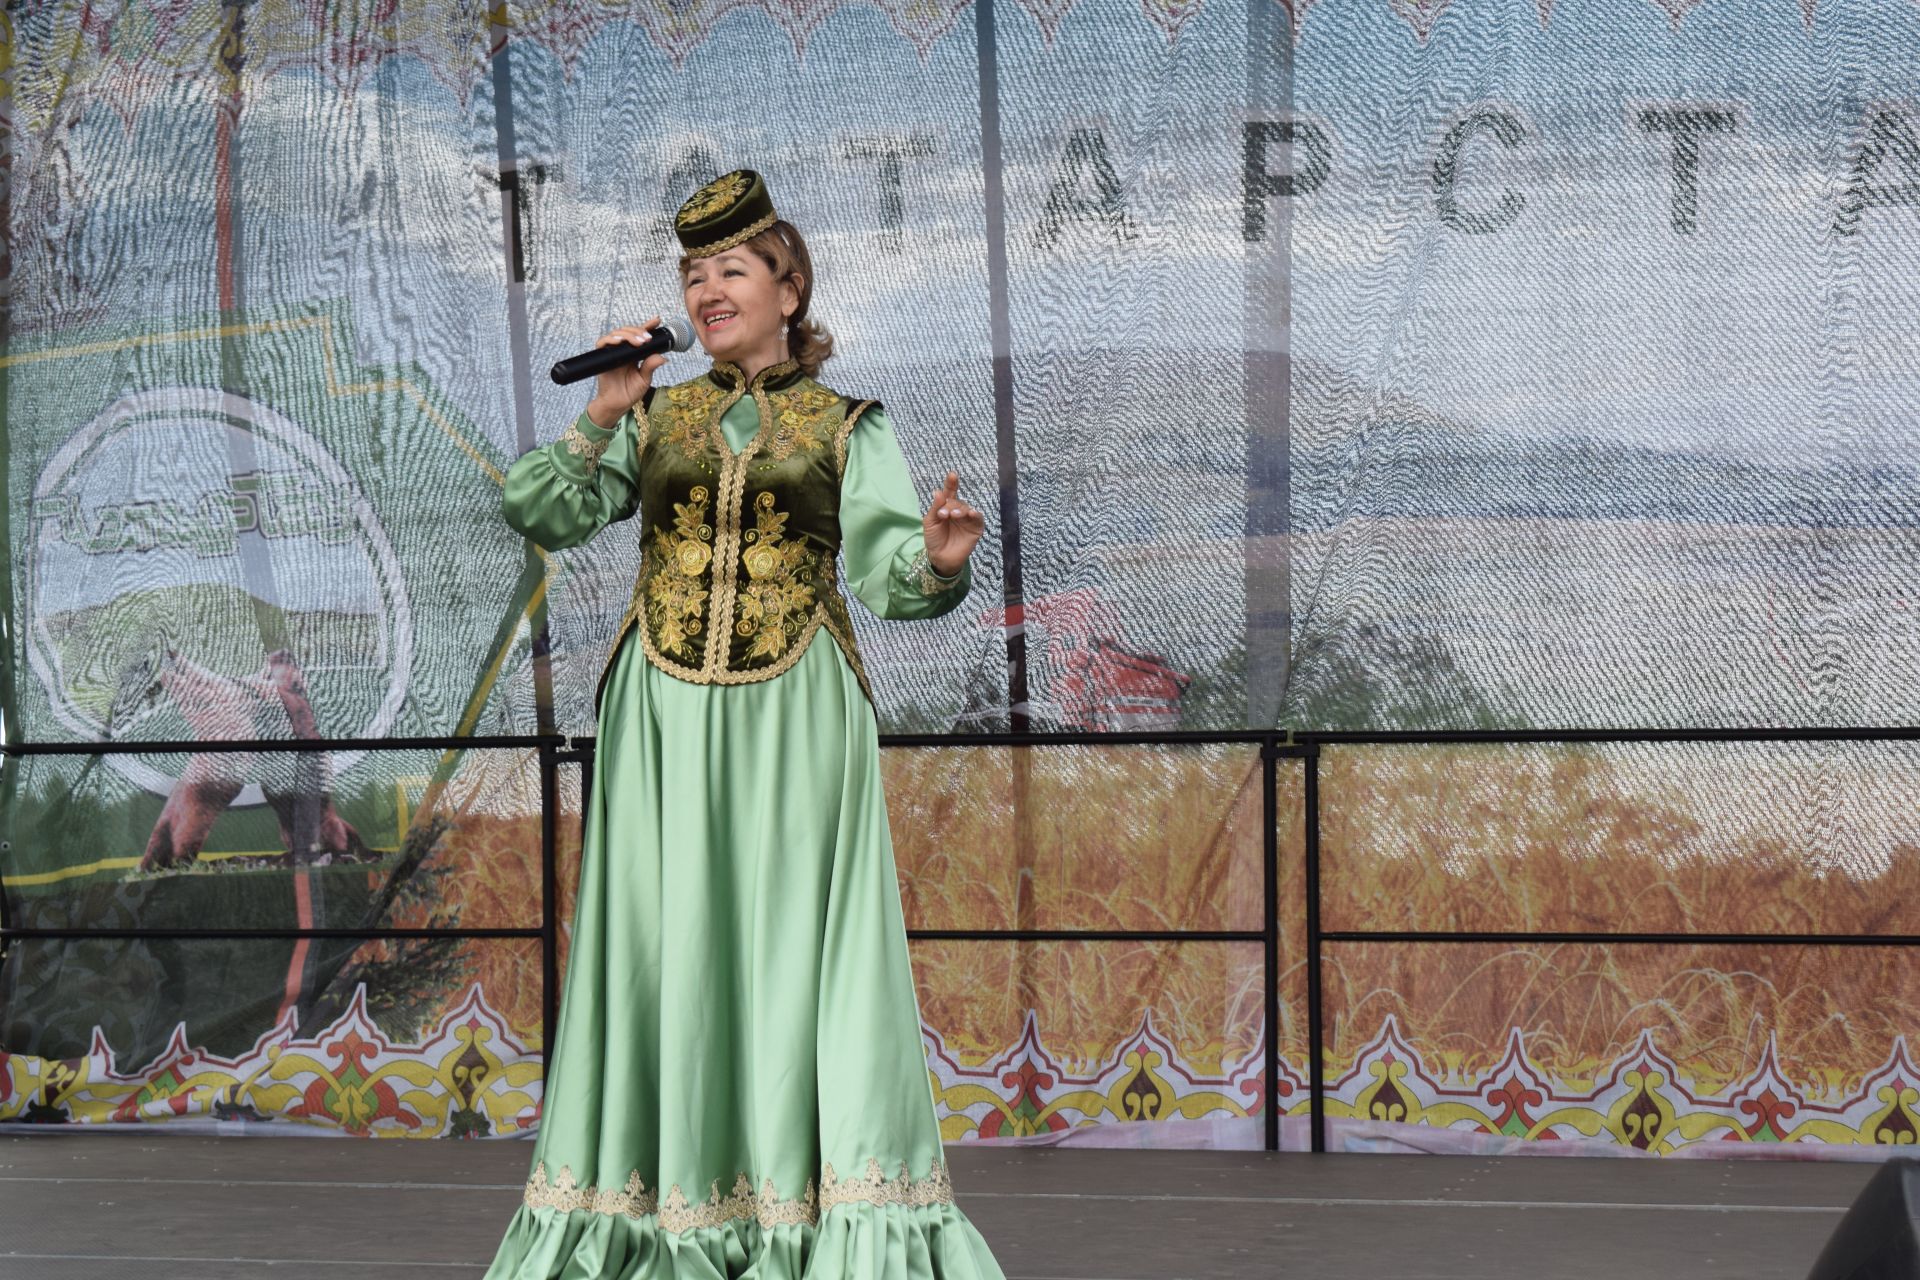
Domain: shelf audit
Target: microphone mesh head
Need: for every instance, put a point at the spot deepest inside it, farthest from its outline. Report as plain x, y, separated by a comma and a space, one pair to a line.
682, 333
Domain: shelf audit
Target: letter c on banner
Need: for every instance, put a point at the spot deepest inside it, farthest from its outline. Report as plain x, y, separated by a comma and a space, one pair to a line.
1508, 131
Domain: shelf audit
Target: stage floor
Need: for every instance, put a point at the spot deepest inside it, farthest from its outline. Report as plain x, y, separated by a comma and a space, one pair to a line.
75, 1206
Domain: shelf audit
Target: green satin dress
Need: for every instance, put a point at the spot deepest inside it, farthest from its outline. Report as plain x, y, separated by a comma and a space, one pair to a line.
738, 1086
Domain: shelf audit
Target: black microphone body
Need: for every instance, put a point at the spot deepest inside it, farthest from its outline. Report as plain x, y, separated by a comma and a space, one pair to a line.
675, 335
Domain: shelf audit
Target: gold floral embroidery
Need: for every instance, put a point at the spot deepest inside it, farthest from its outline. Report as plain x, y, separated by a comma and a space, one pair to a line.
588, 451
676, 592
733, 375
694, 410
801, 1212
766, 1207
677, 1214
767, 591
774, 604
802, 418
712, 198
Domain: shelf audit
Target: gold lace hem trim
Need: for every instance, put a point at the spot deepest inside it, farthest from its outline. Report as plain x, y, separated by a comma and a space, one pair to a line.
676, 1213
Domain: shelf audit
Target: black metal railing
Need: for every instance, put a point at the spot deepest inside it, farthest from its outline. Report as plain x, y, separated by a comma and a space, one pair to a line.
549, 749
1274, 747
1319, 938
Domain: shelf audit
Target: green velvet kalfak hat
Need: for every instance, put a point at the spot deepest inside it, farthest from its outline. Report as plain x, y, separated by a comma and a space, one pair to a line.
730, 210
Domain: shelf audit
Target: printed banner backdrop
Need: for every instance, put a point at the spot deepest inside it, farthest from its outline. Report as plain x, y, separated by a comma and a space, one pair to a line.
1657, 1048
1409, 365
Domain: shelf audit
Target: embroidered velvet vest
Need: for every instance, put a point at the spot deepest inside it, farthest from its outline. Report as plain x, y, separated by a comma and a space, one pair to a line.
738, 551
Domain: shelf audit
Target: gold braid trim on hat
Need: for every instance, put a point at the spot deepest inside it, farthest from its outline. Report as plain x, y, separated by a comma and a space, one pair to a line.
745, 234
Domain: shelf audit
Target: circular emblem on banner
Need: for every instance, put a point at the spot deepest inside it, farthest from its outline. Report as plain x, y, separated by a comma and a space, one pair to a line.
202, 568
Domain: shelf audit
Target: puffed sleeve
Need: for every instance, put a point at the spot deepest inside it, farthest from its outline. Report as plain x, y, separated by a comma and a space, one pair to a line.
563, 493
881, 533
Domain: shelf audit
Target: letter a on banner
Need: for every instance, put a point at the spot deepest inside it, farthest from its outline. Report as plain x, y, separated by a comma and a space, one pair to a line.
1084, 164
1888, 134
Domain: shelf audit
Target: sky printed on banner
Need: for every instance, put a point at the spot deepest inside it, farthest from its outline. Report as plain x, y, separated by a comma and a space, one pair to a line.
1555, 282
1590, 315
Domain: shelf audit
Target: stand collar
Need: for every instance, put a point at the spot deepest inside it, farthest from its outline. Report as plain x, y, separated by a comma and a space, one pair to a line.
775, 377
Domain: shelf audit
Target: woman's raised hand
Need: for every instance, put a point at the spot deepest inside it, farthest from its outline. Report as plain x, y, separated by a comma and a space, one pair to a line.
619, 389
952, 527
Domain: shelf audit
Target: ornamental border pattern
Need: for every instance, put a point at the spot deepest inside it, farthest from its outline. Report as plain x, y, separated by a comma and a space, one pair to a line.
472, 1075
727, 530
1640, 1099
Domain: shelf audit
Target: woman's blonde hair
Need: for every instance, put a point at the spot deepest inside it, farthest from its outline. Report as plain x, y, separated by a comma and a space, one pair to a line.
781, 247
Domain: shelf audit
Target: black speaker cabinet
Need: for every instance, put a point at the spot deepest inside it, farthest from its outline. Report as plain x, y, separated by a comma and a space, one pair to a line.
1879, 1239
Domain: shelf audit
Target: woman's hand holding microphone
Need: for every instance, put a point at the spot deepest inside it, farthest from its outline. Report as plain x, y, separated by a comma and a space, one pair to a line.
620, 388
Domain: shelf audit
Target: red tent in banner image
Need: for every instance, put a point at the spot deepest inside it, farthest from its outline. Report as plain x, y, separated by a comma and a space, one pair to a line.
1096, 679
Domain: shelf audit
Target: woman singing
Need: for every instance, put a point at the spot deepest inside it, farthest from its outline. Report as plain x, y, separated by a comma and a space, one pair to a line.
737, 1086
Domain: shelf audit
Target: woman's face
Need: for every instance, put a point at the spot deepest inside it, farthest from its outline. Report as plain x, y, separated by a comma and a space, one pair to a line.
739, 309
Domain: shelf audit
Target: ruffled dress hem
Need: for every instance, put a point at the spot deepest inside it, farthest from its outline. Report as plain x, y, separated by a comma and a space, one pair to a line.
849, 1242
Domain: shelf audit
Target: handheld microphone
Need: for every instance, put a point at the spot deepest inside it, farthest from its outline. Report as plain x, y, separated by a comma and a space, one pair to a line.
673, 335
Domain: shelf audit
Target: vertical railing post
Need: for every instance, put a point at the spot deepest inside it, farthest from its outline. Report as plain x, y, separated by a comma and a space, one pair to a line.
9, 787
549, 899
10, 727
1316, 1048
1270, 925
